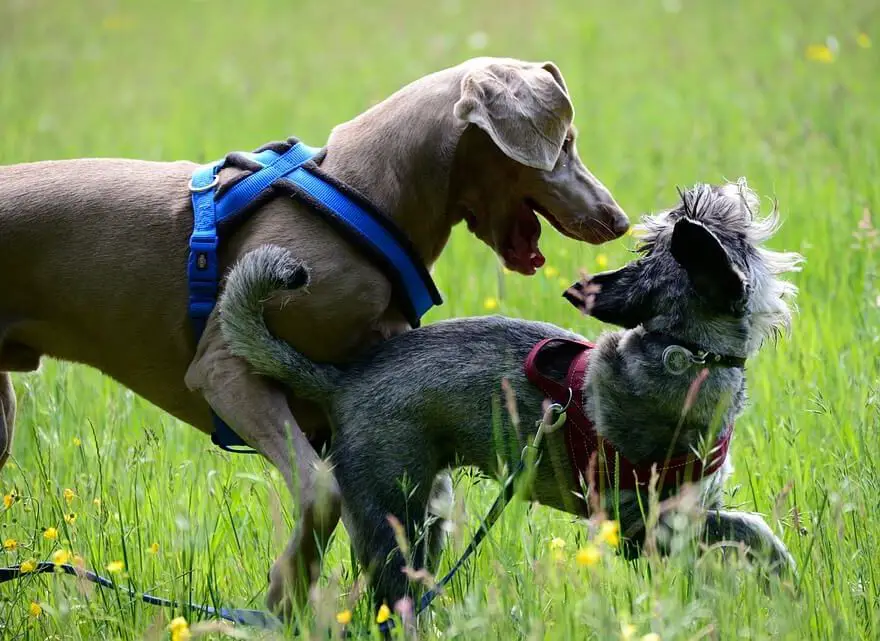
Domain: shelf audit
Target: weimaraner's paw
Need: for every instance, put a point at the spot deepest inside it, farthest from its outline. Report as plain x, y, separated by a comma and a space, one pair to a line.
284, 592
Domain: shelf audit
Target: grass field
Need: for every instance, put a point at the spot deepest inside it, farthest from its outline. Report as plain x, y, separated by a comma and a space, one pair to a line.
667, 93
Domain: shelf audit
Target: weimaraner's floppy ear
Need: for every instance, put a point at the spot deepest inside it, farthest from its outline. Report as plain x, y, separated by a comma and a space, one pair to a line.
524, 109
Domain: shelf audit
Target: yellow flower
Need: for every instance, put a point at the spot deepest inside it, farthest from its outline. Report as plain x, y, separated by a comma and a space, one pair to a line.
35, 609
551, 272
344, 617
863, 40
97, 503
627, 631
70, 519
383, 615
27, 566
50, 534
8, 500
602, 261
10, 544
651, 636
609, 533
69, 495
557, 547
490, 303
588, 557
115, 567
153, 549
60, 557
820, 53
76, 441
179, 629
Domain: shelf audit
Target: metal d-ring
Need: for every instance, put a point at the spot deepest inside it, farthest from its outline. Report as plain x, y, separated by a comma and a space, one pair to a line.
209, 187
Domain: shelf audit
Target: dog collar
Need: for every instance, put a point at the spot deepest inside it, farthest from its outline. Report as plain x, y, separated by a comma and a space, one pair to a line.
595, 460
292, 167
679, 356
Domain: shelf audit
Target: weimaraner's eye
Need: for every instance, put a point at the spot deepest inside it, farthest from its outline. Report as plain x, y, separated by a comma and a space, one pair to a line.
567, 143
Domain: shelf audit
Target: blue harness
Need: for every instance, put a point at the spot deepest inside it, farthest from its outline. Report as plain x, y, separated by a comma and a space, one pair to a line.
292, 167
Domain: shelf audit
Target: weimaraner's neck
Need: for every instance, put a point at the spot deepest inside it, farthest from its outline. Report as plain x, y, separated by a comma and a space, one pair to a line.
399, 154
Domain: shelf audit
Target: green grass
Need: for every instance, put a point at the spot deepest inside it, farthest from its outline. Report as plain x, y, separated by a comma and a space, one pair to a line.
663, 98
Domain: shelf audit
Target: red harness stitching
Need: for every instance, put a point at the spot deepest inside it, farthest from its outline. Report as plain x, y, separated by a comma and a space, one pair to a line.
582, 439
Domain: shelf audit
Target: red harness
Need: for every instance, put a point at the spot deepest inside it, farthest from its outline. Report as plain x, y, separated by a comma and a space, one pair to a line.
582, 440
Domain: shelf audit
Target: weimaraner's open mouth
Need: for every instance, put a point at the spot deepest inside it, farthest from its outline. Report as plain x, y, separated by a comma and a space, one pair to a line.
519, 249
519, 246
590, 230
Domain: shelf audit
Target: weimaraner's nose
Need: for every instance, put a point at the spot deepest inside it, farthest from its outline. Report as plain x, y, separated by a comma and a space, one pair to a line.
621, 223
617, 220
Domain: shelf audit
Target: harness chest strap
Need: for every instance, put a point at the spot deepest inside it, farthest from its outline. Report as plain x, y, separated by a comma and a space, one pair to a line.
294, 170
582, 440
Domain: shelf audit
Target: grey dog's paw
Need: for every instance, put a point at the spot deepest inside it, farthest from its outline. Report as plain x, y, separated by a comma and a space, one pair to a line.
752, 530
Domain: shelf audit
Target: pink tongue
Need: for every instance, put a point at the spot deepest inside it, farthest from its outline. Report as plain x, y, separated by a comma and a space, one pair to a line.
526, 232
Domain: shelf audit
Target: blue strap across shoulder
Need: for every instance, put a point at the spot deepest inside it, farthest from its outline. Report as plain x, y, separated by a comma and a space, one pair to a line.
292, 170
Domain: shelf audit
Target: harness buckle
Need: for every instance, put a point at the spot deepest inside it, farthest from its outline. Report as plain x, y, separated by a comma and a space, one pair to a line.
204, 240
203, 245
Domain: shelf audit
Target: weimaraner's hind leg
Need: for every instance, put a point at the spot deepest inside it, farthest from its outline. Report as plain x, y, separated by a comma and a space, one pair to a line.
7, 417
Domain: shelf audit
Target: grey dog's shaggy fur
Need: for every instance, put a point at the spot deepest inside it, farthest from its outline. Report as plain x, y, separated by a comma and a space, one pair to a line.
429, 399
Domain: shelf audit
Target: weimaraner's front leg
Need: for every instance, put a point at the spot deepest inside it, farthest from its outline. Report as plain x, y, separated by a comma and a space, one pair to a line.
750, 529
257, 409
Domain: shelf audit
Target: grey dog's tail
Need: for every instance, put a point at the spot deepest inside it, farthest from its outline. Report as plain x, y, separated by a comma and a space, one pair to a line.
256, 276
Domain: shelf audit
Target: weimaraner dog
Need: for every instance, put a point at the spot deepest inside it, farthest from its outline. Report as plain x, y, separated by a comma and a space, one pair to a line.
93, 260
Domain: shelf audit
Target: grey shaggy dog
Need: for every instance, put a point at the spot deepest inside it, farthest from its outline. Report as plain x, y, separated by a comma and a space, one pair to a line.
427, 400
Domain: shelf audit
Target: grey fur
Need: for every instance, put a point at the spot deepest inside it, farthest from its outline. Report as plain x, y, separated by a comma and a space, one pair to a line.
428, 399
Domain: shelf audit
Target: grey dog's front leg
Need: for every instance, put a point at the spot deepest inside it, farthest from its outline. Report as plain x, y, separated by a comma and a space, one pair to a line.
750, 529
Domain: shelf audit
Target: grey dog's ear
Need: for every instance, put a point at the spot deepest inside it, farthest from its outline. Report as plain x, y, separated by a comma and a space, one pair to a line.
525, 109
708, 265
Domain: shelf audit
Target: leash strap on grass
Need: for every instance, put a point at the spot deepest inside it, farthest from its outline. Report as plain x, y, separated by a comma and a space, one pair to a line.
256, 618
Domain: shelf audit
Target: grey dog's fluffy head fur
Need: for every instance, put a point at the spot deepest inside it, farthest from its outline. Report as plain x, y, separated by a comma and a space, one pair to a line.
702, 275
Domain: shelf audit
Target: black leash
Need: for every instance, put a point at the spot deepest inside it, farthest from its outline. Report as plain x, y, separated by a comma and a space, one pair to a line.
529, 457
256, 618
